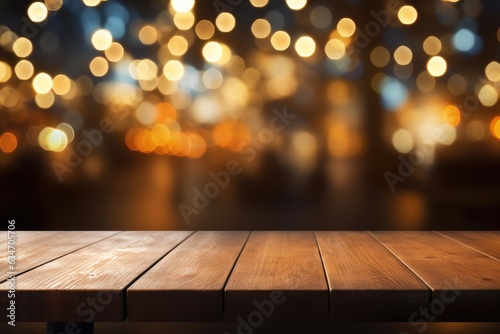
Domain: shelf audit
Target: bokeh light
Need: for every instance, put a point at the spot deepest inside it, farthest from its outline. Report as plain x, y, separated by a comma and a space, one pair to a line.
305, 46
24, 69
407, 14
436, 66
432, 45
403, 141
261, 28
37, 12
99, 66
403, 55
102, 39
495, 127
296, 4
225, 22
280, 40
212, 52
8, 142
42, 83
346, 27
22, 47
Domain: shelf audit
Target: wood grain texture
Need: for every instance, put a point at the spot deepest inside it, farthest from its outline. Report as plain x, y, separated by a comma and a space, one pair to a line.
273, 263
34, 248
486, 242
465, 283
367, 282
187, 284
89, 284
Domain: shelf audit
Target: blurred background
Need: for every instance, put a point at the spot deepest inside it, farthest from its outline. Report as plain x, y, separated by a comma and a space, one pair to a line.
235, 114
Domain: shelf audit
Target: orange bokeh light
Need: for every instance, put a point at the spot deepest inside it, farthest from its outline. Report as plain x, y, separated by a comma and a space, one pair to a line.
230, 134
451, 115
8, 142
495, 127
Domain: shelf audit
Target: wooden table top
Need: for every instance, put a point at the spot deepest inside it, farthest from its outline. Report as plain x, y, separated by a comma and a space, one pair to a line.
284, 276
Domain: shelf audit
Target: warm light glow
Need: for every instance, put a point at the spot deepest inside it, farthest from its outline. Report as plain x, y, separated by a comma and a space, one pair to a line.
304, 145
296, 4
432, 45
45, 101
68, 131
212, 52
380, 56
280, 40
259, 3
407, 15
53, 5
451, 115
495, 127
225, 22
305, 46
261, 28
8, 142
184, 21
177, 45
492, 71
204, 30
230, 134
148, 35
402, 140
144, 69
56, 140
22, 47
173, 70
42, 83
403, 55
346, 27
61, 84
448, 134
212, 78
488, 95
5, 72
436, 66
91, 3
115, 52
182, 6
335, 49
99, 66
37, 12
102, 39
24, 70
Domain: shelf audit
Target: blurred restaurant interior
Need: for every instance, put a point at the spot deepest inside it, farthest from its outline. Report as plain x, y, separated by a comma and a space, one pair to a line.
259, 114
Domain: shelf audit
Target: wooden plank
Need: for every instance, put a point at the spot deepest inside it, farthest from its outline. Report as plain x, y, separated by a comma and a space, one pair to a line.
279, 275
486, 242
367, 282
89, 285
465, 283
187, 284
34, 248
